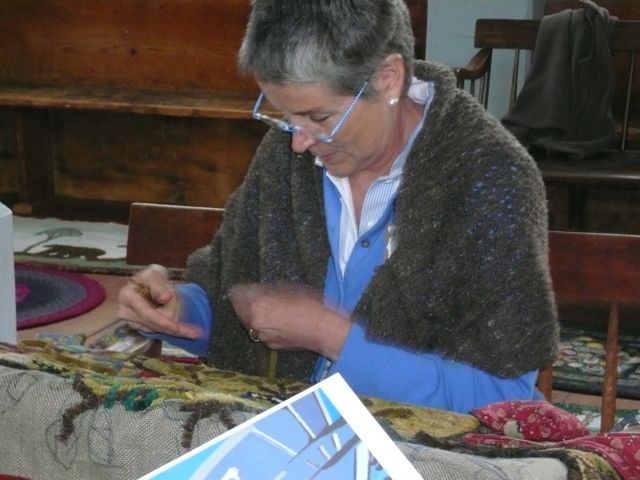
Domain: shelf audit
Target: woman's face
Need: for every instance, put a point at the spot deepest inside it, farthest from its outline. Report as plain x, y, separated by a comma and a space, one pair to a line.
363, 142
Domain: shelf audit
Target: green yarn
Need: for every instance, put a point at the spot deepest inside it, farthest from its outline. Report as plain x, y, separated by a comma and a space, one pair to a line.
111, 398
139, 398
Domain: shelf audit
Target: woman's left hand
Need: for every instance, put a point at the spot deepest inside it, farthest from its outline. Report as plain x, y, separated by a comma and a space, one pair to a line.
290, 317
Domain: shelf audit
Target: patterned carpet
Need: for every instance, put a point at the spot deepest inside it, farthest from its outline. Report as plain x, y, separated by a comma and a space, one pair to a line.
581, 366
625, 420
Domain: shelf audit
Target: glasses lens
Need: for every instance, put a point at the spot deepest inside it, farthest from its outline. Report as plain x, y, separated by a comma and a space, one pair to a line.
311, 130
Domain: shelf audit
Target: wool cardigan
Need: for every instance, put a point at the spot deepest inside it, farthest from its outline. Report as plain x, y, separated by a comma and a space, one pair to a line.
469, 278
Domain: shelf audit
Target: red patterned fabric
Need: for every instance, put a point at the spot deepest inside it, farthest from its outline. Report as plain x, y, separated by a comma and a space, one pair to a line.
531, 420
621, 449
532, 424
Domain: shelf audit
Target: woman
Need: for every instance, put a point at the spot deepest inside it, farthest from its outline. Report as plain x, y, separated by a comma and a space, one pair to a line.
388, 228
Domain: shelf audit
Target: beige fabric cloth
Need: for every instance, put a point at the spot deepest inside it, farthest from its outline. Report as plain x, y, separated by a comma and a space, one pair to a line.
110, 443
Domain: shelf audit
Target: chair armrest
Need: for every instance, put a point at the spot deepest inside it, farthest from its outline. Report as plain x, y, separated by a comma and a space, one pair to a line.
478, 66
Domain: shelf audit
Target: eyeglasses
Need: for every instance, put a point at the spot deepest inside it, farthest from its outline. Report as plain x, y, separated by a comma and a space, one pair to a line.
290, 128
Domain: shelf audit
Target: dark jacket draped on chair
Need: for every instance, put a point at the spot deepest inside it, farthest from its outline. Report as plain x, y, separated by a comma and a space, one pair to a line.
565, 102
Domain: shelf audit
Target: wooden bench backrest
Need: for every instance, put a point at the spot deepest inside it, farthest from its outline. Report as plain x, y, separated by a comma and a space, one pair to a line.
596, 268
167, 234
177, 45
169, 57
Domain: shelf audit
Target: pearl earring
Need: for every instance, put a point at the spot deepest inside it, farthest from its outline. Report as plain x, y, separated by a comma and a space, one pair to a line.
392, 101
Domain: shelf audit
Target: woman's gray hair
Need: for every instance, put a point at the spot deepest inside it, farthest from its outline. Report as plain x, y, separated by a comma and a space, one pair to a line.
340, 43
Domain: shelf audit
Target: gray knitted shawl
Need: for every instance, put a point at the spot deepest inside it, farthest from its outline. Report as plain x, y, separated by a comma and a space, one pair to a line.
469, 279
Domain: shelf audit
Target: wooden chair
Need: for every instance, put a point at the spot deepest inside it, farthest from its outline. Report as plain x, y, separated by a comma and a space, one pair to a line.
167, 234
520, 36
596, 269
617, 168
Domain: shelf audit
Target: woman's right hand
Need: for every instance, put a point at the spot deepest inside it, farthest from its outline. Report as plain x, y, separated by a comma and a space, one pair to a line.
149, 303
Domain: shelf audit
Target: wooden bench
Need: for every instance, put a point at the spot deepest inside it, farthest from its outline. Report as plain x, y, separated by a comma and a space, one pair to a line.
121, 100
618, 168
596, 269
586, 268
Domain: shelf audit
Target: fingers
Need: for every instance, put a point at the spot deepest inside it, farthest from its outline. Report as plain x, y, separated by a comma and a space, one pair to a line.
148, 302
281, 316
146, 316
153, 282
242, 297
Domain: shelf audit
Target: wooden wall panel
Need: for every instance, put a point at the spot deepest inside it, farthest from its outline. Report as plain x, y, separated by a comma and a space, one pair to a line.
123, 157
136, 44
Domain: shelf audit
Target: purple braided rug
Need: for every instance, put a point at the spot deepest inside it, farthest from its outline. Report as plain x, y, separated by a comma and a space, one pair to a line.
46, 295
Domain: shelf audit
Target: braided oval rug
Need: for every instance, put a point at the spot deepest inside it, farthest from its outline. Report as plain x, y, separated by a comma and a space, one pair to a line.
47, 295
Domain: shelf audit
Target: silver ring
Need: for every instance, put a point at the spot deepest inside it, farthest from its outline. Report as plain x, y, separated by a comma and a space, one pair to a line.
253, 335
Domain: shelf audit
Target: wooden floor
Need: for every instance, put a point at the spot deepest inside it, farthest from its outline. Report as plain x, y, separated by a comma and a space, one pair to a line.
104, 318
93, 324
